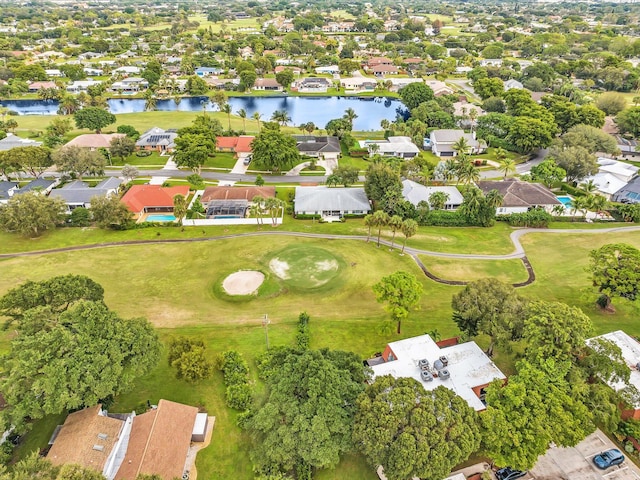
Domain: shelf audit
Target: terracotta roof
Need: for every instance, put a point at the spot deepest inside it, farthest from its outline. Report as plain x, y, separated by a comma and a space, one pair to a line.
520, 194
226, 142
81, 437
241, 144
384, 68
40, 85
94, 140
236, 193
140, 196
159, 442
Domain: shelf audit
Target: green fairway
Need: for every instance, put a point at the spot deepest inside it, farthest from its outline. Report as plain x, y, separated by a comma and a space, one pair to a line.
508, 271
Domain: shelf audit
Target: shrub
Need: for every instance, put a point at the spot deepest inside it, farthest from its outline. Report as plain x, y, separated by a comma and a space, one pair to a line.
302, 337
443, 218
80, 217
535, 218
189, 359
143, 153
238, 396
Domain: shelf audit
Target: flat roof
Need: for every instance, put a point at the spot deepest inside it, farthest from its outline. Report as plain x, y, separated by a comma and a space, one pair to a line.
468, 366
630, 353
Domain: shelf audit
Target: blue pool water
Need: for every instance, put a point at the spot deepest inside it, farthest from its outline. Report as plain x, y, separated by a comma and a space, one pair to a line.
565, 200
160, 218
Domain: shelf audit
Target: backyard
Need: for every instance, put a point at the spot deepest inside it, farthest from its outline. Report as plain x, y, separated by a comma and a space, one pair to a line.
176, 286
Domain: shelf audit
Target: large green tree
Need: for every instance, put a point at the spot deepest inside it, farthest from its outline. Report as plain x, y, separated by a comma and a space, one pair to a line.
31, 213
413, 432
382, 179
400, 291
591, 138
93, 118
306, 420
535, 408
193, 150
416, 93
578, 162
78, 161
274, 150
548, 173
110, 212
62, 360
491, 307
122, 147
528, 134
30, 160
615, 270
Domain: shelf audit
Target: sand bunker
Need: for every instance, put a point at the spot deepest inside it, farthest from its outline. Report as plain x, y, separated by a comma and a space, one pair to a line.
244, 282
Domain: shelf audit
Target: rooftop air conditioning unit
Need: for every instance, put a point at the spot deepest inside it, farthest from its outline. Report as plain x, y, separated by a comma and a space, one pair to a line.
423, 364
426, 376
438, 365
444, 374
444, 360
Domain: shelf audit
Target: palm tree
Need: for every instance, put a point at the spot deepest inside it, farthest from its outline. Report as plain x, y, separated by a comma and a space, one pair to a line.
450, 171
256, 116
597, 203
281, 116
179, 206
150, 101
373, 148
380, 219
350, 115
310, 127
580, 204
472, 201
395, 223
254, 211
461, 147
589, 186
473, 114
493, 198
438, 200
242, 113
274, 206
467, 173
257, 209
385, 124
226, 108
369, 222
507, 166
409, 229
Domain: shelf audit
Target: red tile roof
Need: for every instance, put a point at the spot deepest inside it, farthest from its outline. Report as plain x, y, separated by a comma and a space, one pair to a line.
159, 442
226, 142
140, 196
241, 144
244, 144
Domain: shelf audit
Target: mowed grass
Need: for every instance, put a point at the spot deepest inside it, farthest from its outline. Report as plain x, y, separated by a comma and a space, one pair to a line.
305, 267
508, 271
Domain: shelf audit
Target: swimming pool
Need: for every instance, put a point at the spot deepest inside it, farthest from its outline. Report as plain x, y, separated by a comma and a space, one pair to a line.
565, 200
160, 218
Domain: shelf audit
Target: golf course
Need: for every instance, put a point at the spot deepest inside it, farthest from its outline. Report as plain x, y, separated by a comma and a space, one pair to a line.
179, 288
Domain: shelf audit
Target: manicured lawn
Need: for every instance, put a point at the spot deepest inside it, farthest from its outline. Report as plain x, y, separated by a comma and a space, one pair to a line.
152, 160
508, 271
221, 160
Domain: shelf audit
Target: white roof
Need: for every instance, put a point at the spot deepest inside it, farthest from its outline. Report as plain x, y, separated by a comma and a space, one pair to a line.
200, 424
415, 193
468, 366
316, 199
630, 353
393, 145
605, 182
617, 168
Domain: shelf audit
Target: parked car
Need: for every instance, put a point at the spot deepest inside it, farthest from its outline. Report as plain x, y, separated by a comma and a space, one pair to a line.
247, 160
508, 473
608, 459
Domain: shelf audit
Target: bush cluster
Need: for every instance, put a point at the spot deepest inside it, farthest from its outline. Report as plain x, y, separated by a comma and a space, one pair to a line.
236, 377
535, 218
443, 218
303, 337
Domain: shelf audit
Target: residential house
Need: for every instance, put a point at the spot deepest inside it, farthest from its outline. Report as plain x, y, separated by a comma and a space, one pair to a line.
627, 146
399, 146
331, 202
329, 69
374, 61
7, 190
630, 349
324, 147
93, 72
461, 367
246, 52
511, 83
94, 141
439, 88
358, 84
520, 197
312, 85
130, 85
207, 71
491, 62
35, 87
53, 72
268, 84
226, 202
612, 176
122, 446
295, 70
442, 142
382, 70
143, 199
127, 70
13, 141
81, 85
79, 194
399, 83
630, 193
157, 139
415, 193
241, 145
40, 185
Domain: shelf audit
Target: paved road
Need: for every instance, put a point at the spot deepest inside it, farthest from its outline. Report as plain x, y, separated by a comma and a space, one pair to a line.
521, 168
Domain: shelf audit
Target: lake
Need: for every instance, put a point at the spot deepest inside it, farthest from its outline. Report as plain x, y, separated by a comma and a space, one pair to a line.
318, 110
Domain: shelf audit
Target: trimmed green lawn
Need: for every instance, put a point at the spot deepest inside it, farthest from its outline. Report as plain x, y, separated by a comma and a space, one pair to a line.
508, 271
152, 160
221, 160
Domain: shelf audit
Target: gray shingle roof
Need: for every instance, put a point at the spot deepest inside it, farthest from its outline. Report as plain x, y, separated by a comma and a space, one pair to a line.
415, 193
308, 143
79, 193
520, 194
315, 199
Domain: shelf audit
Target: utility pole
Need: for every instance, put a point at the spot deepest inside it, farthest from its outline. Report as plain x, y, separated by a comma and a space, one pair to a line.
265, 324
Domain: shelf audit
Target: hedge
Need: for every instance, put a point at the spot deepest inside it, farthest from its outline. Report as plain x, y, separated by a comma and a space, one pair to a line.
236, 377
533, 218
444, 218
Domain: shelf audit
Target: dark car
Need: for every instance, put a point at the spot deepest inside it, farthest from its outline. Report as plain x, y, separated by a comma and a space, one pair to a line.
508, 473
608, 459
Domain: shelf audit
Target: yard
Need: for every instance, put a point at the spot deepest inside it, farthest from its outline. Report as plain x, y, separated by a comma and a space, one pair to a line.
175, 286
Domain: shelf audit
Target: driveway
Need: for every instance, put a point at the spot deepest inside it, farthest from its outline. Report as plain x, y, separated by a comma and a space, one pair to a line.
576, 463
239, 167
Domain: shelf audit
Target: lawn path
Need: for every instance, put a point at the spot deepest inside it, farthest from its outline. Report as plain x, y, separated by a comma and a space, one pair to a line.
515, 236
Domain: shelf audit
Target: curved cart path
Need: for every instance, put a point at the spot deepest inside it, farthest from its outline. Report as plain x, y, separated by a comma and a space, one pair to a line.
413, 252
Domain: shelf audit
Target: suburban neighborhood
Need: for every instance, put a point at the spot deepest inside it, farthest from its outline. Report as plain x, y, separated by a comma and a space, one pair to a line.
319, 240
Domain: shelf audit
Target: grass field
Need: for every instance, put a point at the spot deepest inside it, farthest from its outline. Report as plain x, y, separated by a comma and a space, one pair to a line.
175, 286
